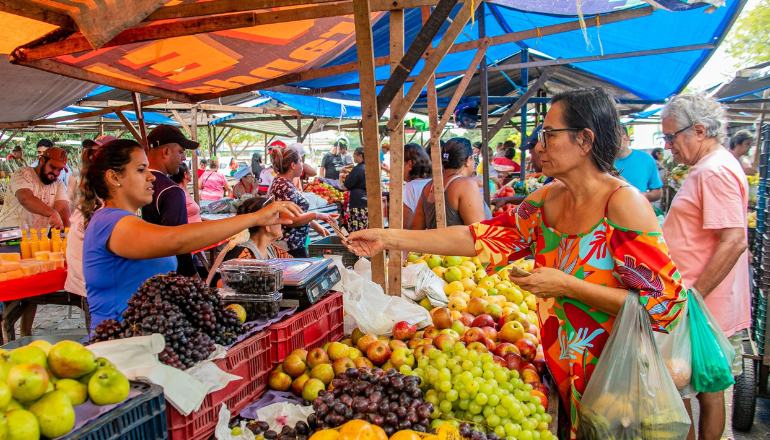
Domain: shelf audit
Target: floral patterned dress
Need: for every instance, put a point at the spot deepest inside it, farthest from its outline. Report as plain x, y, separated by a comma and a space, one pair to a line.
284, 189
573, 333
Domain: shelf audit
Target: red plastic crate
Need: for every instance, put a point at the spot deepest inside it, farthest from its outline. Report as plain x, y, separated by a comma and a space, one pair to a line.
250, 360
321, 323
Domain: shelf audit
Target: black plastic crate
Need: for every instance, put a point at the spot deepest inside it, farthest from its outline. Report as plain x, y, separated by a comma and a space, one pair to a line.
333, 244
141, 418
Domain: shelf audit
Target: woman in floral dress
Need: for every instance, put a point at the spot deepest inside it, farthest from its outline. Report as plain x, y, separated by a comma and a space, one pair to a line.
357, 217
594, 238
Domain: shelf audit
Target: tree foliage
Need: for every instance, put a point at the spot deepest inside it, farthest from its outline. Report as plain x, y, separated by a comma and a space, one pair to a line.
749, 39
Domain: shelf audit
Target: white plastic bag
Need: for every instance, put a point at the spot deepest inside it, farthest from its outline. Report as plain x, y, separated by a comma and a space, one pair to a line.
375, 312
676, 350
363, 267
417, 282
223, 432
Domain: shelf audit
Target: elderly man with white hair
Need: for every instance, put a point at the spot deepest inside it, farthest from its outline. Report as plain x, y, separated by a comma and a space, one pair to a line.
706, 228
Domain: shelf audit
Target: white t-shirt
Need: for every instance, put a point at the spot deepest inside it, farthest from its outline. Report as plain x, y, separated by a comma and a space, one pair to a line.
412, 191
76, 282
266, 177
14, 214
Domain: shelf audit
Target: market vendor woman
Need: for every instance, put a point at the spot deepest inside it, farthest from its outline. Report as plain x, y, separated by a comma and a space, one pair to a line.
120, 250
594, 238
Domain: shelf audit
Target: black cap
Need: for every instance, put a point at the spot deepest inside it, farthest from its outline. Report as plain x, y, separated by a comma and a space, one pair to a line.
44, 143
166, 134
530, 142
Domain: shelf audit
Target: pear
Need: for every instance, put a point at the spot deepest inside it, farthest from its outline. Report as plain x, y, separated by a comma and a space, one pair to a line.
70, 360
108, 386
5, 366
41, 344
100, 363
29, 354
54, 413
22, 425
27, 382
5, 396
77, 392
3, 427
13, 404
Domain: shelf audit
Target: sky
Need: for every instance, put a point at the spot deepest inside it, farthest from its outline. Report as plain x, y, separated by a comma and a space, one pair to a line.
721, 66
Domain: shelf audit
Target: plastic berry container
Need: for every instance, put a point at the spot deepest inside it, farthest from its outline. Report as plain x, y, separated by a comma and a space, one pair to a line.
252, 277
258, 307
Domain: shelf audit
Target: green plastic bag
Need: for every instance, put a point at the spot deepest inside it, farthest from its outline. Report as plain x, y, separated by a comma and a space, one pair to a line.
712, 352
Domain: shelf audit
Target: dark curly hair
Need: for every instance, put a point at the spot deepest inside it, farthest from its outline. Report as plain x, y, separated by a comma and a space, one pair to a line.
421, 164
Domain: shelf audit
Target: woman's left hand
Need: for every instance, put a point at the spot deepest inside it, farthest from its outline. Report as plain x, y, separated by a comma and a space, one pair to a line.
545, 282
320, 229
328, 218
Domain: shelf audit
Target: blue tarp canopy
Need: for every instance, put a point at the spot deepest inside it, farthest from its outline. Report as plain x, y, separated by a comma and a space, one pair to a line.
149, 117
653, 77
314, 106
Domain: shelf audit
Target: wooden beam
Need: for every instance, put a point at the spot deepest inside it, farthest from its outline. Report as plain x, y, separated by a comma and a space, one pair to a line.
522, 100
130, 127
140, 118
396, 211
484, 110
202, 107
459, 22
194, 162
612, 56
435, 147
48, 121
231, 6
37, 11
478, 58
5, 142
97, 78
181, 121
421, 42
286, 123
369, 119
307, 132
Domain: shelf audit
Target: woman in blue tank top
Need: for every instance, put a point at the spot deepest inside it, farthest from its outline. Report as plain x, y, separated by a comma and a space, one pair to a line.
120, 250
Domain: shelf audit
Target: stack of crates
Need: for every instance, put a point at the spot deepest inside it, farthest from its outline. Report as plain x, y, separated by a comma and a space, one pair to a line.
761, 250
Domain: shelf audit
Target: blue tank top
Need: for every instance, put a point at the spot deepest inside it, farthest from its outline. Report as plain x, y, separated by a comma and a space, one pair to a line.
111, 279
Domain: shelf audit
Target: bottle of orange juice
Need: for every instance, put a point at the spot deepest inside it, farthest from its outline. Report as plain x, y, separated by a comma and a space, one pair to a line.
34, 242
26, 249
55, 240
45, 244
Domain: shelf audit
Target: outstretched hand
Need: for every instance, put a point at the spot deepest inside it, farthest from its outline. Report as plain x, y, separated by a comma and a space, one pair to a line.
546, 282
366, 243
277, 213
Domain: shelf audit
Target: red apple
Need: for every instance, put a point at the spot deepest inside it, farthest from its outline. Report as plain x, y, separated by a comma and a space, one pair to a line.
403, 330
423, 350
514, 361
529, 366
483, 321
413, 343
533, 330
342, 364
537, 386
419, 335
491, 333
301, 353
443, 341
378, 352
543, 397
363, 362
490, 345
506, 318
527, 349
442, 318
529, 376
397, 343
317, 356
365, 340
467, 319
473, 335
511, 332
430, 332
540, 366
500, 361
425, 341
505, 347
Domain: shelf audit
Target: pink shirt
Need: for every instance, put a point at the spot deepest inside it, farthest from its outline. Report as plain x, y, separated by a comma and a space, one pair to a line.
212, 185
714, 196
193, 210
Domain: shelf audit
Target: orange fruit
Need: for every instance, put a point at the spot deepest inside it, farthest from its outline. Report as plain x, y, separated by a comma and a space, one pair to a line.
357, 430
326, 434
405, 435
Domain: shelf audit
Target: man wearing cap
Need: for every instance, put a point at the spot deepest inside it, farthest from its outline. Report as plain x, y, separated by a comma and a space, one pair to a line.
36, 198
42, 145
13, 162
169, 204
333, 161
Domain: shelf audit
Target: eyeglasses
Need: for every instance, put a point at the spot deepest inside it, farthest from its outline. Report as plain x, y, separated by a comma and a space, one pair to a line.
542, 132
670, 137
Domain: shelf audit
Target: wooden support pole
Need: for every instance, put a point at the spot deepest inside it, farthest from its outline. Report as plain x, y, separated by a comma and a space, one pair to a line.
287, 124
421, 42
522, 100
299, 129
435, 147
369, 118
50, 121
37, 11
194, 162
212, 148
447, 40
130, 127
101, 126
140, 119
484, 110
395, 213
523, 131
181, 121
436, 133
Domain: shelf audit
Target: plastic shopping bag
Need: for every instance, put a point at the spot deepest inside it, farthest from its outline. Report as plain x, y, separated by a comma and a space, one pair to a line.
676, 350
417, 282
630, 394
712, 353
